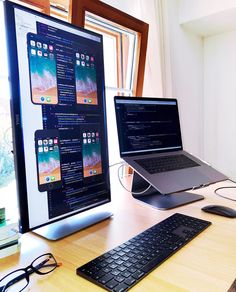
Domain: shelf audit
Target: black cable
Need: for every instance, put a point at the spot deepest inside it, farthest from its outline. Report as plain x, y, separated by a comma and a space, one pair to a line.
228, 187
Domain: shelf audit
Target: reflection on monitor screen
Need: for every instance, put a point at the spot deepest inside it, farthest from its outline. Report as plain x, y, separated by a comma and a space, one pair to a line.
59, 119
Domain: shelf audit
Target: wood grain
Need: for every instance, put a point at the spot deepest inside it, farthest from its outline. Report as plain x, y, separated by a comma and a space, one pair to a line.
208, 263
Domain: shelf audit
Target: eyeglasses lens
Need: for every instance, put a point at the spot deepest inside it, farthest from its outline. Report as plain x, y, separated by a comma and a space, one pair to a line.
10, 284
45, 264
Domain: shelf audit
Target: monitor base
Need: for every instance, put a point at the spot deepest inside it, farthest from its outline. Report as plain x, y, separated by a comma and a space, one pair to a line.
65, 227
158, 200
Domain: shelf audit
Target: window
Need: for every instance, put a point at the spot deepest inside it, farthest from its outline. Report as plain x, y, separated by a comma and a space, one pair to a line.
7, 175
125, 43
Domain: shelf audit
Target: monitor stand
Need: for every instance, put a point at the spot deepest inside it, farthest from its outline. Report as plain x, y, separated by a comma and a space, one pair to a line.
65, 227
158, 200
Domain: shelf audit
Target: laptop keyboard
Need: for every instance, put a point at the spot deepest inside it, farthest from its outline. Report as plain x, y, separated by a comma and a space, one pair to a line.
122, 267
166, 163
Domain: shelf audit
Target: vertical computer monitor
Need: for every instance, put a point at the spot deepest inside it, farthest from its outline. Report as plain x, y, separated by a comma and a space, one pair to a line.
59, 122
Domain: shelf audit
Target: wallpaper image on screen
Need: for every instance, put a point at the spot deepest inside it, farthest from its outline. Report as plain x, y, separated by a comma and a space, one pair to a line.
49, 165
48, 159
42, 64
92, 164
86, 80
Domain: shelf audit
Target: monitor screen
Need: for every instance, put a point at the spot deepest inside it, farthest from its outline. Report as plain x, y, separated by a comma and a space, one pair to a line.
147, 125
59, 120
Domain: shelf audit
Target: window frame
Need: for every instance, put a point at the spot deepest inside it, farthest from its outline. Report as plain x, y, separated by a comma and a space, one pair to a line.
77, 11
42, 5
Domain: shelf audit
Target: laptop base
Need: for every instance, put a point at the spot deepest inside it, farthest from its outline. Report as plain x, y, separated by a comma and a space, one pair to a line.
156, 199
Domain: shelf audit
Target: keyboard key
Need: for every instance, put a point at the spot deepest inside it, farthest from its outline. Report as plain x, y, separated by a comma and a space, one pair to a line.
130, 281
106, 278
138, 274
111, 284
121, 287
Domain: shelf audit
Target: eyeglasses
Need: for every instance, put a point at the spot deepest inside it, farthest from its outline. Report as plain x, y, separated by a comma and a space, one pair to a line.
19, 279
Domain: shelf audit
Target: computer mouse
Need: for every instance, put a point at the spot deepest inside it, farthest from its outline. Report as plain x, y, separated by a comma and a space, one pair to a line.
220, 210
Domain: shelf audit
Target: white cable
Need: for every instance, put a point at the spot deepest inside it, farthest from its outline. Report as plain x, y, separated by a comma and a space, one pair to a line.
134, 193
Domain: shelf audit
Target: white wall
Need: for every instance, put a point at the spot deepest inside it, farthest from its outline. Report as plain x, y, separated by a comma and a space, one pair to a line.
219, 71
196, 9
220, 101
186, 69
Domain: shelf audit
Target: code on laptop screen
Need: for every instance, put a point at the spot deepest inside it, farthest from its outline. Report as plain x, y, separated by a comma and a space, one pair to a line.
147, 125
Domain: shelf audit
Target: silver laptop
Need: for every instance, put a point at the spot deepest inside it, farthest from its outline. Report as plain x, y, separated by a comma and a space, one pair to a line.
150, 142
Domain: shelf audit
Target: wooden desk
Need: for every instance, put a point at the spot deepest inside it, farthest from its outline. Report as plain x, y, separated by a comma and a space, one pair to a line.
208, 263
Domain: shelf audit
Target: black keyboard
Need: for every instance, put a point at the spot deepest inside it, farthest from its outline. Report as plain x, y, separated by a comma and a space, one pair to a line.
122, 267
166, 163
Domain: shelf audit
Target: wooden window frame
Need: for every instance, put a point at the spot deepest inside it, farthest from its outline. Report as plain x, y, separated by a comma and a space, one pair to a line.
77, 11
42, 5
117, 38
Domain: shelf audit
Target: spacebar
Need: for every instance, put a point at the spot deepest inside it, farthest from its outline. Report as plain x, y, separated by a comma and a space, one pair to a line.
156, 261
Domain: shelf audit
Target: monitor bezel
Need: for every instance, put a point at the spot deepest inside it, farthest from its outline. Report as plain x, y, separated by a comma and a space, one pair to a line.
18, 142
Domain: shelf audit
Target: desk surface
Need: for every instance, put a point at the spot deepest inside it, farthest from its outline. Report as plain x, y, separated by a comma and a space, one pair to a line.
208, 263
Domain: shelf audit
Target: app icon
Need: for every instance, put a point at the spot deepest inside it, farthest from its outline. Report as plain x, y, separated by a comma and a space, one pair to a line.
45, 149
78, 62
85, 100
33, 52
45, 142
45, 55
50, 141
97, 134
50, 148
52, 178
83, 63
87, 64
82, 56
42, 98
89, 135
93, 134
84, 135
32, 43
55, 141
40, 53
90, 172
50, 48
48, 98
89, 141
85, 141
40, 142
92, 59
56, 148
47, 178
90, 100
77, 55
40, 149
93, 140
94, 171
39, 45
87, 58
97, 140
45, 46
51, 56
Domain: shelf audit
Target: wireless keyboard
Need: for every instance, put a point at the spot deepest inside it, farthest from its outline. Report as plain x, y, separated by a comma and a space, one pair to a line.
122, 267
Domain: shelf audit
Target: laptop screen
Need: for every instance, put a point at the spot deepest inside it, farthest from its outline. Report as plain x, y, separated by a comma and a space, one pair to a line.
147, 125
